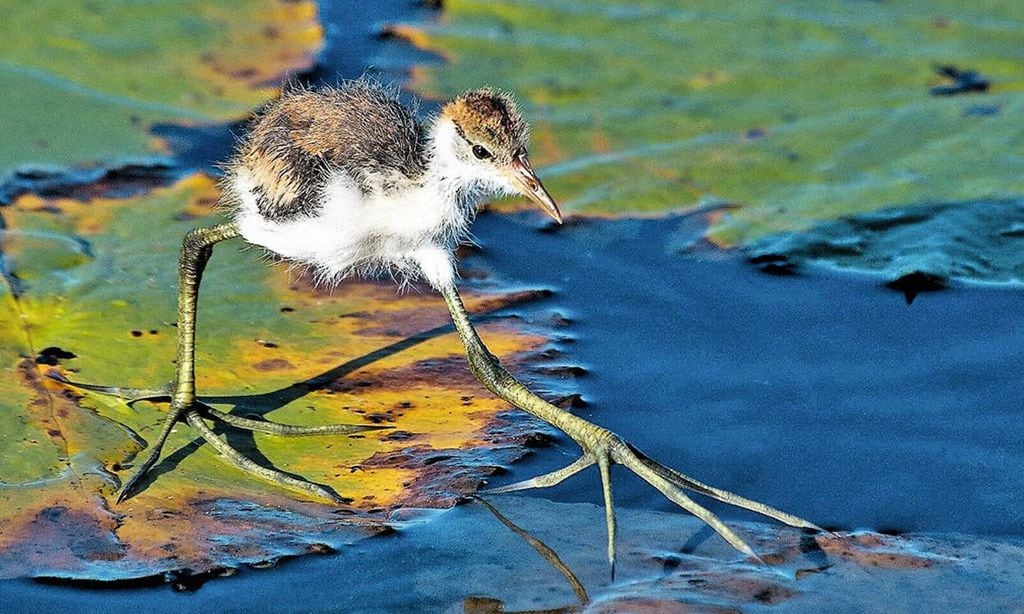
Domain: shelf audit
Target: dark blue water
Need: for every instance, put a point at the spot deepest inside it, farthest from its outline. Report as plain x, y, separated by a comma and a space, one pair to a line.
824, 394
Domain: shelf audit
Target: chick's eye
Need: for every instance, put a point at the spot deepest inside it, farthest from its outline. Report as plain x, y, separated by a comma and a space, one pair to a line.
481, 152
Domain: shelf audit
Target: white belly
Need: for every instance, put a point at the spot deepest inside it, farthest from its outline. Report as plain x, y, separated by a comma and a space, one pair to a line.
352, 233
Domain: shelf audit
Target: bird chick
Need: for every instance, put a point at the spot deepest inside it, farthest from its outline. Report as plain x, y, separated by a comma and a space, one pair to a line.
349, 181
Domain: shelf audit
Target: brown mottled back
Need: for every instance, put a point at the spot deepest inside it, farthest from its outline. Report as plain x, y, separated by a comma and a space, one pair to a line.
298, 141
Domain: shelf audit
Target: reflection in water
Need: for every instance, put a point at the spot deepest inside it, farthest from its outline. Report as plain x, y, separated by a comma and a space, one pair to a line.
542, 549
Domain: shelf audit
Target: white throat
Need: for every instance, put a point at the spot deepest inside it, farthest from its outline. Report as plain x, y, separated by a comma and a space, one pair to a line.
465, 181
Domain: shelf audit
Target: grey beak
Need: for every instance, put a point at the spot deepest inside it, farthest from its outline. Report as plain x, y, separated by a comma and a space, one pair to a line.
526, 180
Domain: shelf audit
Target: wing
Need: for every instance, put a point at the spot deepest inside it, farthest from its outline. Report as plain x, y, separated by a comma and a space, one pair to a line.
363, 129
299, 142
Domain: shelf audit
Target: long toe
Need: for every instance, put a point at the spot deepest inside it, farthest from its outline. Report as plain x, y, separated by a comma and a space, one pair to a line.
249, 466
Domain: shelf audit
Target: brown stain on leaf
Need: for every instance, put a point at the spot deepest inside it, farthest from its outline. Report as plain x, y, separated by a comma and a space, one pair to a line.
287, 31
875, 550
273, 364
415, 37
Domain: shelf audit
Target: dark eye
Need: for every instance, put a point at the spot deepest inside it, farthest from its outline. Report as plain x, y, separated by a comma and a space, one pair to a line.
481, 152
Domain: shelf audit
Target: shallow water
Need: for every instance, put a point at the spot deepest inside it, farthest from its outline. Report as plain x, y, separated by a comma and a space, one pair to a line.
824, 394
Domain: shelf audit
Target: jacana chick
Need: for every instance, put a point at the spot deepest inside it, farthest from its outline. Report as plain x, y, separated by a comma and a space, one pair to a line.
348, 181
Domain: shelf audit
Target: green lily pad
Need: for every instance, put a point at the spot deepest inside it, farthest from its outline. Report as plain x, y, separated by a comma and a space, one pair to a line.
89, 294
85, 81
792, 111
980, 240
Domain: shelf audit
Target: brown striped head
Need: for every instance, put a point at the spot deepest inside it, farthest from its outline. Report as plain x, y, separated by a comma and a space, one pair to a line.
491, 120
494, 137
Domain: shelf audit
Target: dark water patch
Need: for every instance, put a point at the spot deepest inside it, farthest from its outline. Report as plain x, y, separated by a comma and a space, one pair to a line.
773, 264
915, 283
819, 393
83, 184
354, 44
201, 147
52, 355
180, 581
960, 81
916, 249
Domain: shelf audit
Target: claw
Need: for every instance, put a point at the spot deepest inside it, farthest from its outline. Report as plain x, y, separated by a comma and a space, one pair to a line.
132, 395
548, 479
154, 454
604, 464
677, 496
128, 488
684, 481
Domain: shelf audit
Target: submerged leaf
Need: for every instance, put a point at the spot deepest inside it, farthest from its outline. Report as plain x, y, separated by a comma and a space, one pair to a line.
90, 294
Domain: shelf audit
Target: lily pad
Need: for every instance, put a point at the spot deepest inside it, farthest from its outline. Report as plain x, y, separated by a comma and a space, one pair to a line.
927, 245
85, 81
792, 112
90, 294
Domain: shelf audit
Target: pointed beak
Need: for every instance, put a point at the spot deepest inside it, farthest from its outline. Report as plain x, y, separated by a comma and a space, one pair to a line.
526, 180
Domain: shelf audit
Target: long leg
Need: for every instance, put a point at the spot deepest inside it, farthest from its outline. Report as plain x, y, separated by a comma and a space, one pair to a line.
196, 250
195, 253
600, 445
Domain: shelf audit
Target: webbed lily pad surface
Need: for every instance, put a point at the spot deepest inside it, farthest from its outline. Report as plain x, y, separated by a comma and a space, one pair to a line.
788, 112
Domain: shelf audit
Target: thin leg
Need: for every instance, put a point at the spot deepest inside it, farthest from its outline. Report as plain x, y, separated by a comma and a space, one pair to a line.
196, 250
195, 253
599, 445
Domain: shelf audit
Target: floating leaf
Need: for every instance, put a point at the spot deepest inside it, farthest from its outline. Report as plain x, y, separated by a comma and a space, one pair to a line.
979, 240
794, 111
84, 81
90, 293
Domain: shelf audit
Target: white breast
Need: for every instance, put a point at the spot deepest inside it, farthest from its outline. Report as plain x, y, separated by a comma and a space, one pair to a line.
357, 234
